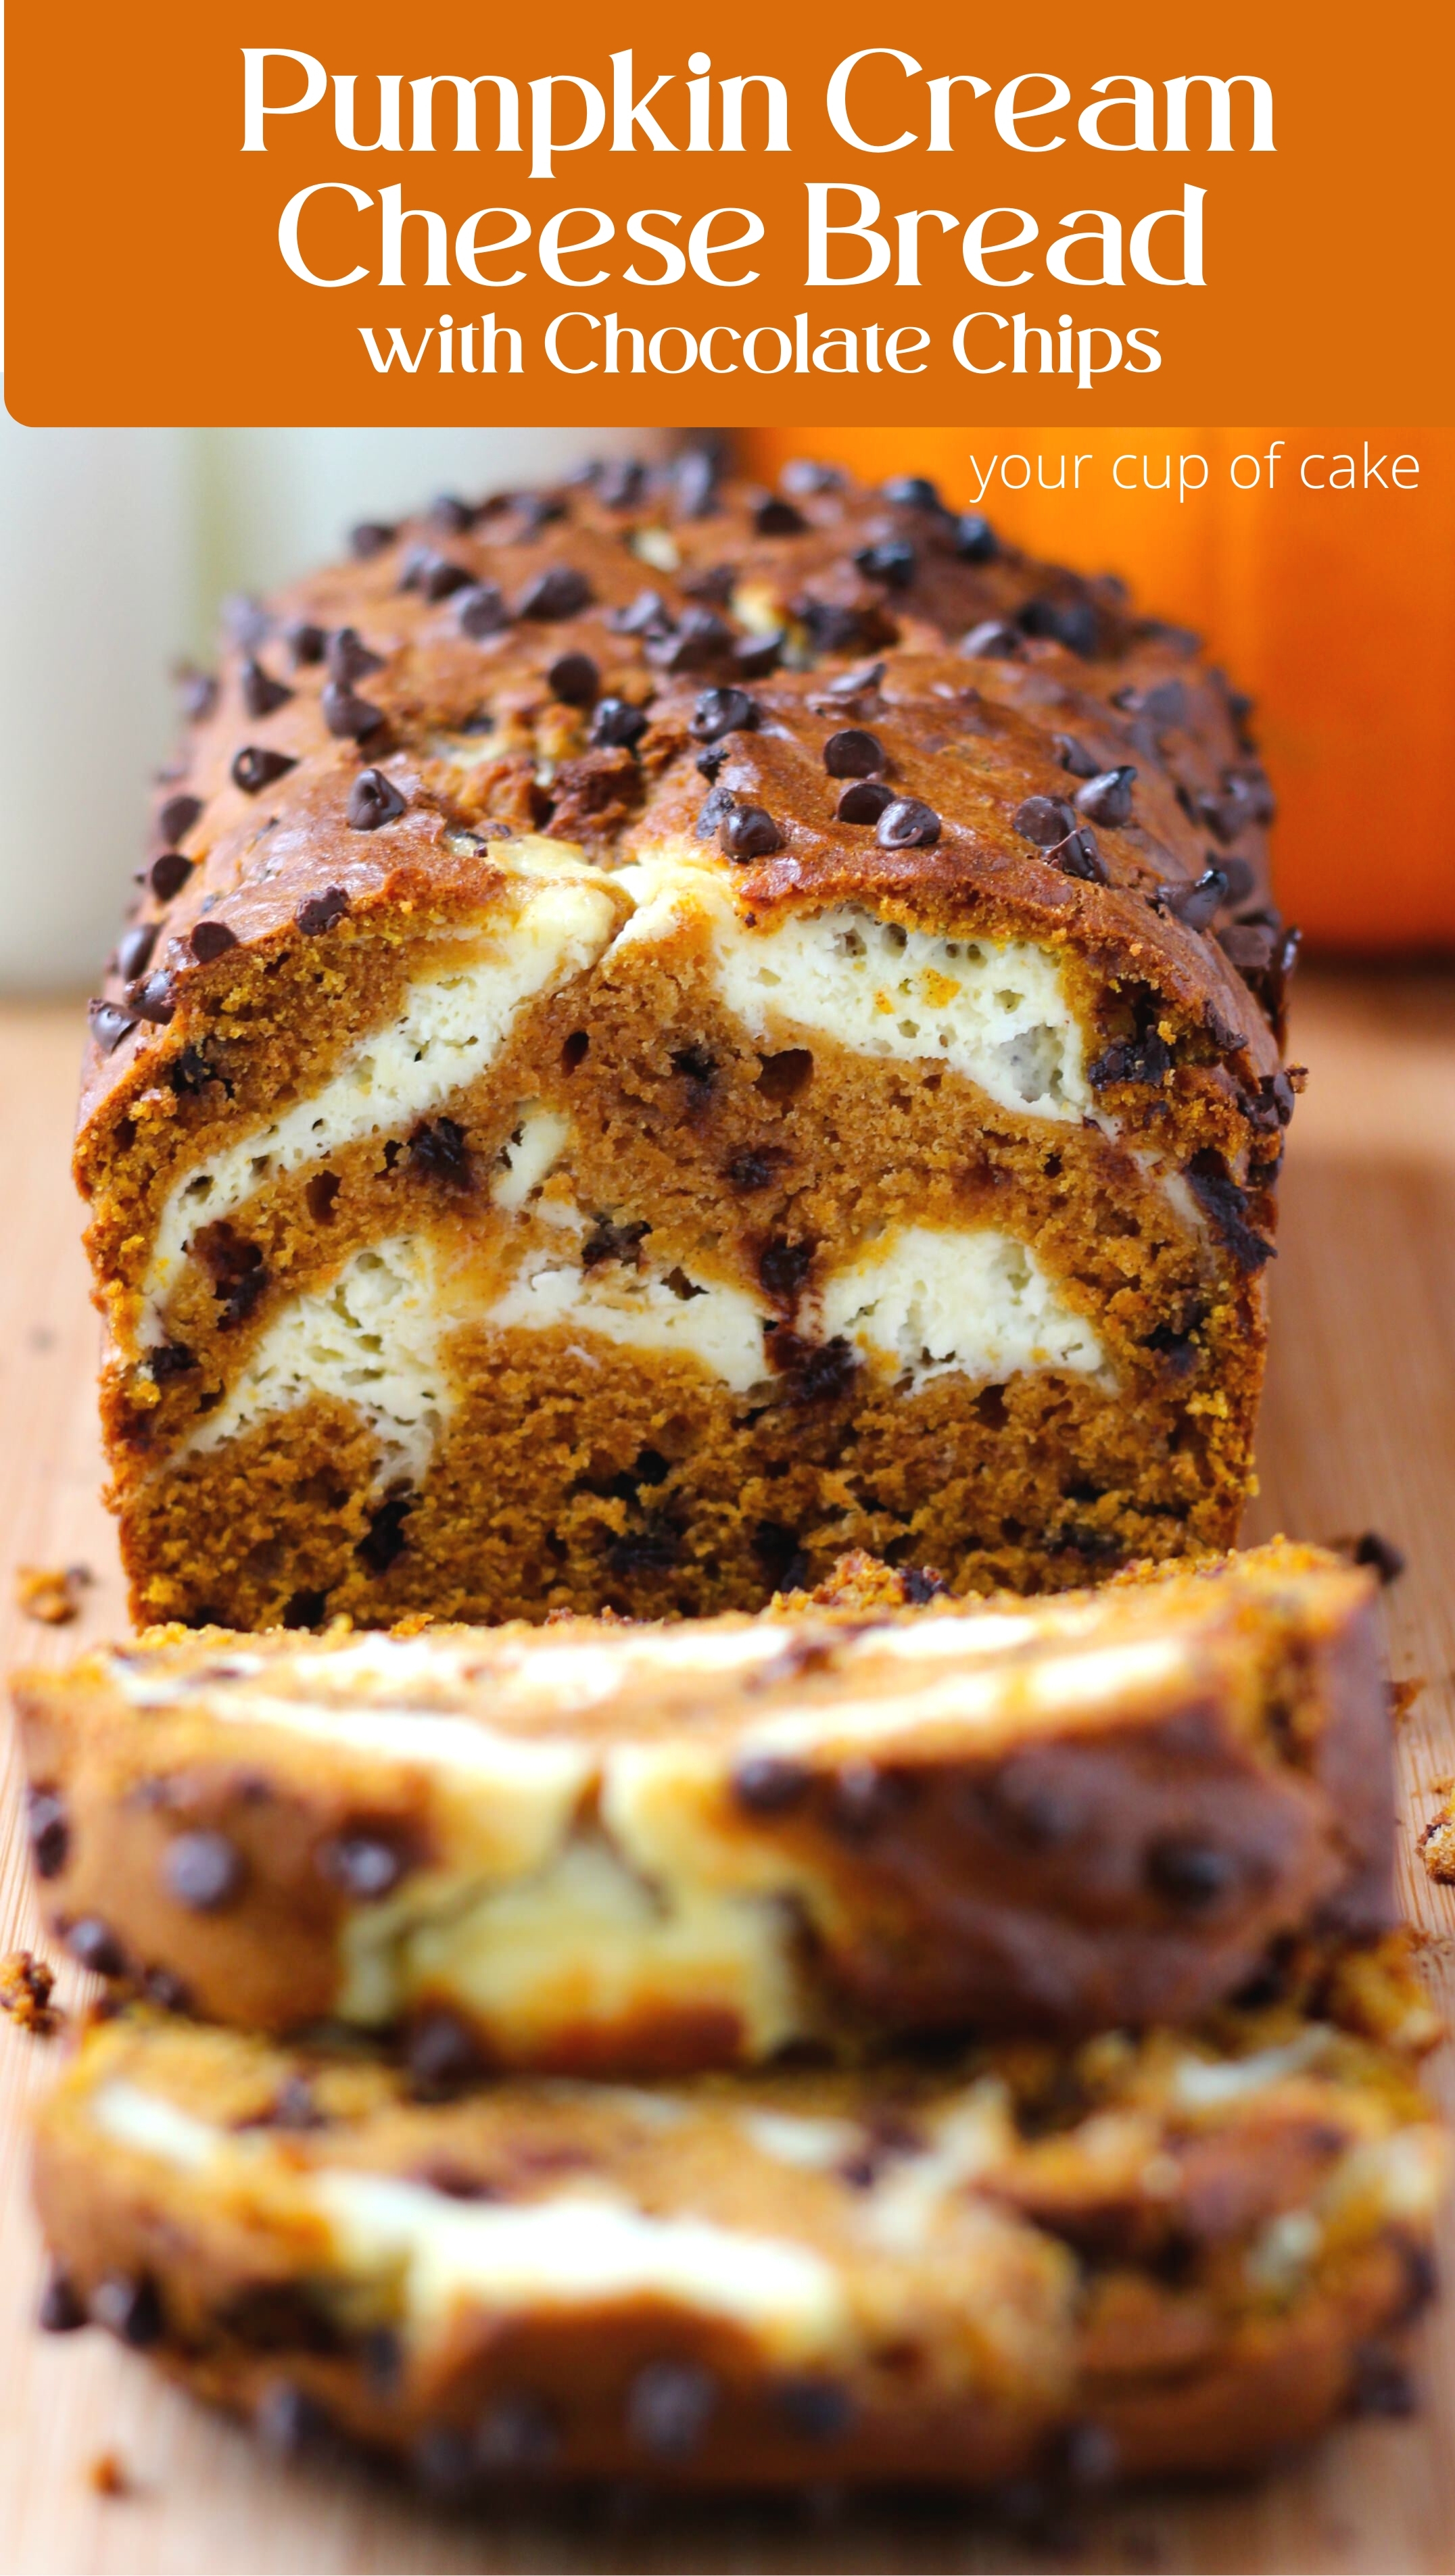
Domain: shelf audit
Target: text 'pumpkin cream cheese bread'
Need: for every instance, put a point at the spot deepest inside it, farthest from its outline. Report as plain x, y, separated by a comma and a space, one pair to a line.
1175, 2254
607, 1846
670, 1031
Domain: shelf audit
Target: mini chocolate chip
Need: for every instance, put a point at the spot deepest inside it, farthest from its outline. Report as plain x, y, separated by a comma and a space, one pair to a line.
617, 725
538, 510
720, 711
864, 801
49, 1831
767, 1783
907, 824
166, 1991
168, 874
817, 2410
1221, 1198
1194, 905
260, 695
1046, 820
448, 511
350, 658
754, 1167
854, 753
128, 2307
1190, 1872
975, 539
373, 799
382, 2354
669, 2406
1107, 798
246, 620
319, 912
783, 1267
892, 563
1078, 856
911, 492
773, 517
754, 656
621, 482
991, 641
1387, 1560
204, 1871
644, 615
134, 950
806, 476
95, 1945
1070, 622
287, 2420
516, 2432
363, 1864
698, 640
574, 679
210, 939
1145, 1059
61, 2309
306, 642
561, 591
255, 767
197, 691
920, 1583
443, 2462
439, 578
438, 1146
861, 1798
177, 817
371, 537
695, 479
1075, 757
1380, 2383
748, 832
153, 999
348, 716
110, 1025
441, 2054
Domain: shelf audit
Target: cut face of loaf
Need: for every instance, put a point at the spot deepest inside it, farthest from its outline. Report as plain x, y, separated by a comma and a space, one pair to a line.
1176, 2255
601, 1107
605, 1846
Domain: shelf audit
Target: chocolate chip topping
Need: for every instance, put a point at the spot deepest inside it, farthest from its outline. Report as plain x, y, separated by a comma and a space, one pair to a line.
1074, 756
1107, 798
153, 998
720, 711
774, 517
48, 1830
347, 715
128, 2306
768, 1783
1190, 1873
95, 1945
1194, 905
907, 824
991, 641
61, 2310
260, 695
373, 799
574, 679
448, 511
696, 478
349, 658
167, 875
669, 2406
853, 753
306, 642
441, 2054
1046, 820
975, 539
210, 939
748, 832
1078, 856
256, 767
110, 1025
617, 725
365, 1864
204, 1871
893, 563
482, 611
177, 816
134, 950
560, 592
322, 911
864, 801
1381, 1554
371, 537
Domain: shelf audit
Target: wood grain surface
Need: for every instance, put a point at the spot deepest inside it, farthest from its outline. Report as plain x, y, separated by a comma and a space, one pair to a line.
1358, 1431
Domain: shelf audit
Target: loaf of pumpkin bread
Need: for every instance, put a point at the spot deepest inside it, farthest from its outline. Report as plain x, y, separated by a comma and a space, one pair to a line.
672, 1030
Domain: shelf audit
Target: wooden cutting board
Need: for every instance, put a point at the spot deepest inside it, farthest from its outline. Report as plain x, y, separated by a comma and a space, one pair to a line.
1358, 1431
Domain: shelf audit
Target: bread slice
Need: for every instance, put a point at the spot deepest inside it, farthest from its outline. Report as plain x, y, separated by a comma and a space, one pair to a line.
603, 1845
1178, 2254
670, 1031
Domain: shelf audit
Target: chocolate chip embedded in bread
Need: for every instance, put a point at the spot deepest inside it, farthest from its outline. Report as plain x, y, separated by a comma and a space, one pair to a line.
720, 711
617, 725
574, 679
176, 818
349, 658
853, 753
210, 939
562, 591
975, 539
321, 912
134, 950
669, 2406
894, 563
261, 693
110, 1025
864, 801
1190, 1872
48, 1830
748, 832
167, 875
366, 1865
1107, 798
204, 1871
907, 824
373, 800
256, 767
347, 715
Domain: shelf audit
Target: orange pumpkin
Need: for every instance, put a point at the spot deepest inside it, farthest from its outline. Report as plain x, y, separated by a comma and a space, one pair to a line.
1334, 608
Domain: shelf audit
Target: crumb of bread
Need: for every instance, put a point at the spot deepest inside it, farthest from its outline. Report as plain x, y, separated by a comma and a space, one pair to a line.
51, 1593
26, 1985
